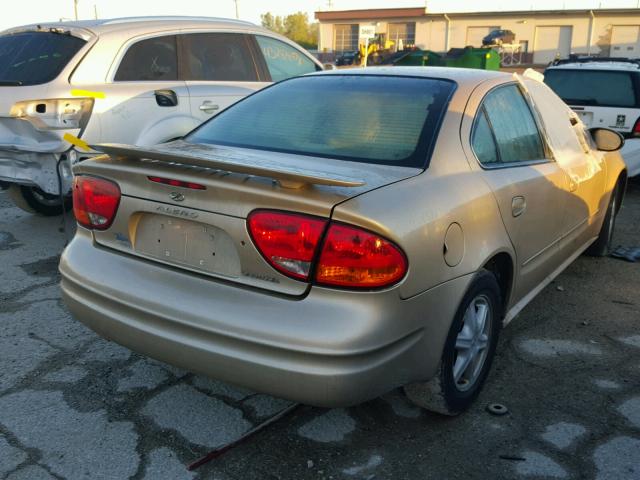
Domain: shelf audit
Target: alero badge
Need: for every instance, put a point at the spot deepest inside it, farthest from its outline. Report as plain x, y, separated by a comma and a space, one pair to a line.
176, 196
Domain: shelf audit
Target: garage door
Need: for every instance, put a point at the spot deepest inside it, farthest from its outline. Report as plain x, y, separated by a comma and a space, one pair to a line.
476, 34
551, 42
625, 41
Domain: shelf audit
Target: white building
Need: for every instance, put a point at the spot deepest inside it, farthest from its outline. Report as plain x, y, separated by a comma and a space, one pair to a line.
543, 35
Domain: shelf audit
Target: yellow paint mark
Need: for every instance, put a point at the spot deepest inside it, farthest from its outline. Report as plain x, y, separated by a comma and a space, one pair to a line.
73, 140
87, 93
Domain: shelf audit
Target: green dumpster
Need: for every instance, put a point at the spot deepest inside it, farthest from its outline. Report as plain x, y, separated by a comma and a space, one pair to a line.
469, 57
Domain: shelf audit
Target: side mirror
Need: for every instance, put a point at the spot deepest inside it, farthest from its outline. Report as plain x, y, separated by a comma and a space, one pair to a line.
328, 66
607, 140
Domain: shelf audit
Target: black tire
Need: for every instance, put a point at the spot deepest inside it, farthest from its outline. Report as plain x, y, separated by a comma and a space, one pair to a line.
34, 200
442, 394
602, 246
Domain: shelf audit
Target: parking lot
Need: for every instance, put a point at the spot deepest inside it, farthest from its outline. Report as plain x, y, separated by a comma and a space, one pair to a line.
75, 406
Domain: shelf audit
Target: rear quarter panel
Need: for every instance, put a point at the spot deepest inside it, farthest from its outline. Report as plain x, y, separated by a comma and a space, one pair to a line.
416, 213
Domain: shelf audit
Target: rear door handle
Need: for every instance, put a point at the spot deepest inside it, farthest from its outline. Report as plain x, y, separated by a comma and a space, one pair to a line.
209, 107
518, 206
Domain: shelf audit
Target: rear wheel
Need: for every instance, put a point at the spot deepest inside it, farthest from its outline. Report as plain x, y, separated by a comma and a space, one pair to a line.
602, 246
34, 200
468, 351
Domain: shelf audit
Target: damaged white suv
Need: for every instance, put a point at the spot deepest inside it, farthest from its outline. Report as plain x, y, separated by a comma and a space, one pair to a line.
137, 81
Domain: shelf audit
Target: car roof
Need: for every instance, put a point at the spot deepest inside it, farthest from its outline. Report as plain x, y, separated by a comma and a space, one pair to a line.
595, 65
150, 23
459, 75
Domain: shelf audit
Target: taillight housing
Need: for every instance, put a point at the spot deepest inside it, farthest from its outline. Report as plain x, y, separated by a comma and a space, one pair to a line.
636, 128
287, 241
54, 113
95, 201
329, 253
355, 258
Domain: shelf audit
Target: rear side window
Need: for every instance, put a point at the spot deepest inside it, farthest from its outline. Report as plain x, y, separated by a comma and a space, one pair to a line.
153, 59
514, 128
484, 145
33, 58
218, 56
284, 61
368, 118
592, 87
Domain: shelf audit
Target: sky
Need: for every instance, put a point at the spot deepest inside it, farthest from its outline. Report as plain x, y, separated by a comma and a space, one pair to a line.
32, 11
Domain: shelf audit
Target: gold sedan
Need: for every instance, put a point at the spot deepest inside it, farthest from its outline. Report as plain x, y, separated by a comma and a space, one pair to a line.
338, 235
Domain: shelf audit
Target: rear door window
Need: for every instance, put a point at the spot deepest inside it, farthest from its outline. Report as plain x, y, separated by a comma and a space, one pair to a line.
152, 59
593, 87
33, 58
516, 133
284, 61
218, 57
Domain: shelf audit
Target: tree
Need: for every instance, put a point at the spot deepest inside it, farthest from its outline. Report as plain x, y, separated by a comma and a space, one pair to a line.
272, 23
295, 27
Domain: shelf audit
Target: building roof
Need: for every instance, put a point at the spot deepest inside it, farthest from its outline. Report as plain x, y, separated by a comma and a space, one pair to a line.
371, 14
389, 13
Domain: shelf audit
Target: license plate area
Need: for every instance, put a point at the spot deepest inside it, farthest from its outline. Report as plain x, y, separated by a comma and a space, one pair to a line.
180, 242
586, 117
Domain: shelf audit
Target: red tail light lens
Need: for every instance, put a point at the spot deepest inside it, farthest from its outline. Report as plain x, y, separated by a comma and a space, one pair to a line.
288, 241
95, 201
355, 258
351, 257
636, 128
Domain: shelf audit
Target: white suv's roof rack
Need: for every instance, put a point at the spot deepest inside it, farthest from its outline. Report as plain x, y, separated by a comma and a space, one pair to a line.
587, 61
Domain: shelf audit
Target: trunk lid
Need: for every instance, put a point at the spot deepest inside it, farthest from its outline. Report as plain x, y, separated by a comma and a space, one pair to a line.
205, 230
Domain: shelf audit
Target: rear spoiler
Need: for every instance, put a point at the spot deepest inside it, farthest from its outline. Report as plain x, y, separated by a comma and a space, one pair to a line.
205, 156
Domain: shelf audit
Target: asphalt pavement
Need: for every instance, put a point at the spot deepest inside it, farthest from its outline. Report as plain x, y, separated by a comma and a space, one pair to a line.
75, 406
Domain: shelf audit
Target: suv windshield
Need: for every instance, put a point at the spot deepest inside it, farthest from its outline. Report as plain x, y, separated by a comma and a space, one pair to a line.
369, 118
32, 58
602, 88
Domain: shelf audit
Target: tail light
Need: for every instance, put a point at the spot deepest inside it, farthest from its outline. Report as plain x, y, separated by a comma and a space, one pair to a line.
636, 129
95, 201
287, 241
352, 257
348, 257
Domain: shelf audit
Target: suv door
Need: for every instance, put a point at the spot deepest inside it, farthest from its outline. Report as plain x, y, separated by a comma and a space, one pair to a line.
529, 187
145, 103
219, 68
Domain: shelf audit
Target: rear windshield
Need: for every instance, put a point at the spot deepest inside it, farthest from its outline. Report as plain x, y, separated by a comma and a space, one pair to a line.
592, 87
32, 58
376, 119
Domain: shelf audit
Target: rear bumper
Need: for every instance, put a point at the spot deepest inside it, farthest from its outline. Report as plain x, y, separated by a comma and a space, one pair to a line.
330, 348
35, 169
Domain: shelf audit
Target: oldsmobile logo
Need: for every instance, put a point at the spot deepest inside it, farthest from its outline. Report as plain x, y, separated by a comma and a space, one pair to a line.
176, 196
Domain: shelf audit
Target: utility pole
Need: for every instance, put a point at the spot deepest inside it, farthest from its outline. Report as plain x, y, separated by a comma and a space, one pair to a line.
237, 13
75, 9
95, 10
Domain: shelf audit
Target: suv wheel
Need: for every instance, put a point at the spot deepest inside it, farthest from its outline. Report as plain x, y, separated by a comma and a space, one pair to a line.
34, 200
